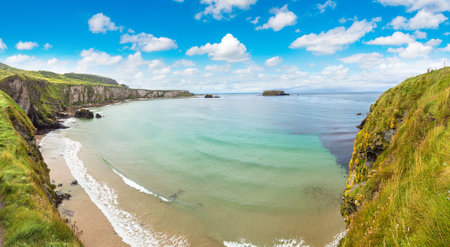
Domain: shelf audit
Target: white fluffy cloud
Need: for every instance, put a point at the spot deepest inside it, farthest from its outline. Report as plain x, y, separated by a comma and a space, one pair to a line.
364, 60
187, 72
328, 4
2, 45
157, 66
47, 46
416, 49
447, 48
398, 38
229, 49
255, 20
33, 63
100, 23
424, 19
283, 17
147, 42
92, 57
412, 5
338, 70
274, 61
335, 39
184, 63
217, 8
218, 68
251, 69
26, 45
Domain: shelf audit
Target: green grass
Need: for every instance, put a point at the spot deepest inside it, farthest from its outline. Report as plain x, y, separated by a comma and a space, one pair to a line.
404, 199
70, 78
28, 217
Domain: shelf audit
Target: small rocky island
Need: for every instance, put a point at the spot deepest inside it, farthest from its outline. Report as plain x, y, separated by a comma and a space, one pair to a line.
210, 96
274, 93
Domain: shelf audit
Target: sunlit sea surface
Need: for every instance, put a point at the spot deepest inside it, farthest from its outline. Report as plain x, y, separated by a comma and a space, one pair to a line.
240, 170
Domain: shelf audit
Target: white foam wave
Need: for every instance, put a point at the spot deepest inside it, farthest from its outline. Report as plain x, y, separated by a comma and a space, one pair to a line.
336, 239
69, 121
138, 187
125, 224
286, 242
277, 243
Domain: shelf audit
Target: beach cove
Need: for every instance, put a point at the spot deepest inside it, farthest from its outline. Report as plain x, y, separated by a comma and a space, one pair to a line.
175, 211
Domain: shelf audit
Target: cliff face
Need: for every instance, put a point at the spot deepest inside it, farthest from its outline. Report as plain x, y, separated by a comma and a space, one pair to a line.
42, 100
28, 216
399, 175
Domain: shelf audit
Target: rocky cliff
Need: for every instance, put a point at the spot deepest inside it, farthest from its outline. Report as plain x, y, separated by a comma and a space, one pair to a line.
399, 176
28, 215
43, 100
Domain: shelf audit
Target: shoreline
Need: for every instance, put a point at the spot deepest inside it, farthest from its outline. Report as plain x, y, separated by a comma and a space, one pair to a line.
79, 212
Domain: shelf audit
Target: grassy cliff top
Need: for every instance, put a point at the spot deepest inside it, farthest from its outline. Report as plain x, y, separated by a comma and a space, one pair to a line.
68, 78
398, 190
28, 217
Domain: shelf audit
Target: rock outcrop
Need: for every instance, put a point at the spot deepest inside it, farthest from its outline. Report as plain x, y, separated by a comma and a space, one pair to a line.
42, 101
84, 113
274, 93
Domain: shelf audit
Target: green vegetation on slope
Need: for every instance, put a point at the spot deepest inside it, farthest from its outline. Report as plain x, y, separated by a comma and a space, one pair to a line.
28, 217
92, 78
70, 78
398, 190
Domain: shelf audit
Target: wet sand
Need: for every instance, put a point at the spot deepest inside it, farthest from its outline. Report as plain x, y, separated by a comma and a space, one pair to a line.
82, 214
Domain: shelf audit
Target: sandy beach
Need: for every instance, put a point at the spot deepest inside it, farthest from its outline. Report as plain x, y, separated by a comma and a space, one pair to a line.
82, 214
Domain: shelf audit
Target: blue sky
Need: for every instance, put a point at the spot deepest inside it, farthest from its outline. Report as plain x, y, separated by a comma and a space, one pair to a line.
231, 45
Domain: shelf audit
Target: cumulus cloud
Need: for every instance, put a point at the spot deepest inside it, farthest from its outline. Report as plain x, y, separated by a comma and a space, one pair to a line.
47, 46
274, 61
218, 68
92, 57
413, 5
398, 38
184, 63
217, 8
229, 49
187, 72
424, 19
364, 60
251, 69
100, 23
416, 49
147, 42
420, 34
447, 48
335, 39
283, 17
157, 66
26, 45
33, 63
2, 45
292, 73
255, 20
338, 70
328, 4
132, 63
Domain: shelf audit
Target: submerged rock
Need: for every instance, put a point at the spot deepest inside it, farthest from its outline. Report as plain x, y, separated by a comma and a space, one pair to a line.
98, 115
84, 113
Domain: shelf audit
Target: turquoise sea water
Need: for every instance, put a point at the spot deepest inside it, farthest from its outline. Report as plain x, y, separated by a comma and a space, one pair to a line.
241, 168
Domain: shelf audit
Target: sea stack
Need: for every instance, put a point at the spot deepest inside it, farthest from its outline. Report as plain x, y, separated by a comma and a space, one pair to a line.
274, 93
